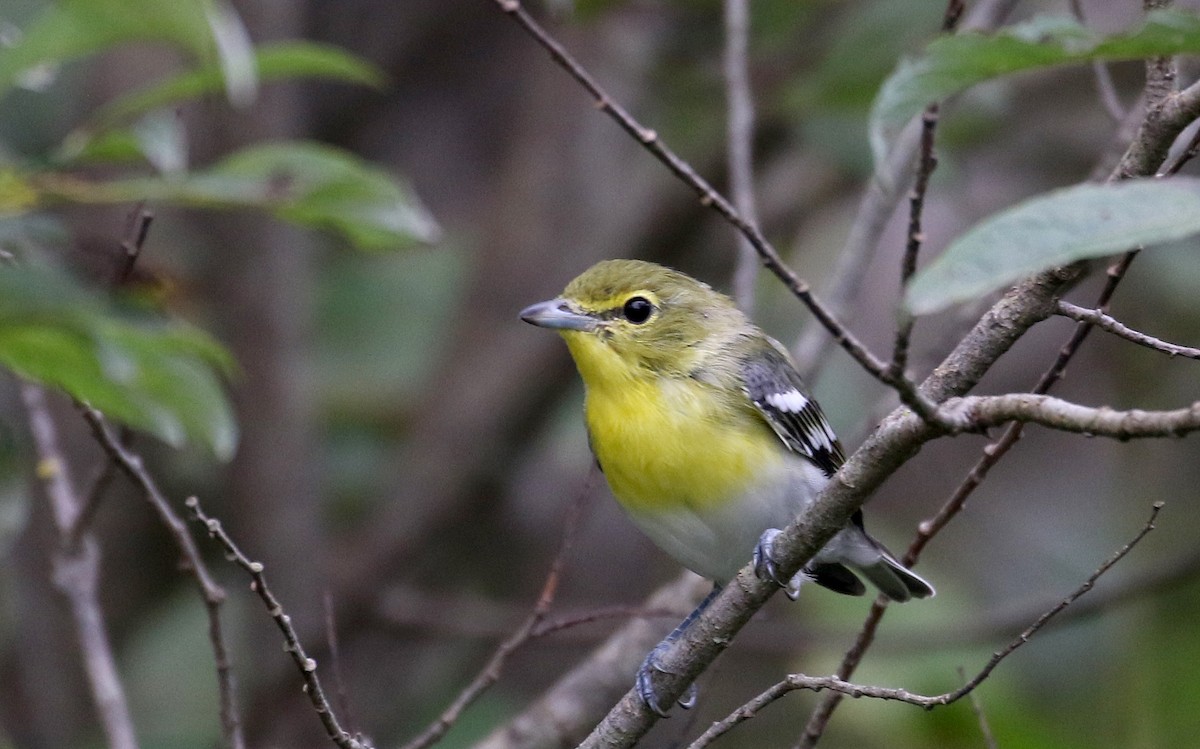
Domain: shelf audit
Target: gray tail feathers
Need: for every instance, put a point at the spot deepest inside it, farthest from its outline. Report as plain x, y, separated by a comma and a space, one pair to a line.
896, 581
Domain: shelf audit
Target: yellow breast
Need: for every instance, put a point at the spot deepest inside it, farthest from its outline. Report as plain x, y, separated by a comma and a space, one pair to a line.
665, 441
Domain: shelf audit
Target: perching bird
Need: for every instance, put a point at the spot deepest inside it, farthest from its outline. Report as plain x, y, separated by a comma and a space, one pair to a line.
705, 432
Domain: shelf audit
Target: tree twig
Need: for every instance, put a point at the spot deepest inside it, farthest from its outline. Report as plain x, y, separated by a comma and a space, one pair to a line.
650, 140
491, 672
292, 645
335, 661
76, 566
846, 688
926, 163
1110, 324
131, 464
740, 144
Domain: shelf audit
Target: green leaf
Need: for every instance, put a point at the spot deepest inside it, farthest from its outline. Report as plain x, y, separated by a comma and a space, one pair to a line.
306, 183
952, 64
159, 376
1060, 227
274, 62
208, 30
327, 188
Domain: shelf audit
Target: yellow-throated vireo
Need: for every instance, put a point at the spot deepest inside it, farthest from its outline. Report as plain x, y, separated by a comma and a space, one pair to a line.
705, 432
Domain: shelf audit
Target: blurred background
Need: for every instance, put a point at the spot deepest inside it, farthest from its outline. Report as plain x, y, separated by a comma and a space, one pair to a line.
409, 450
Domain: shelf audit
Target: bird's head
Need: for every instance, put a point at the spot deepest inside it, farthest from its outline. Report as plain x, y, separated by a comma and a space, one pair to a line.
622, 317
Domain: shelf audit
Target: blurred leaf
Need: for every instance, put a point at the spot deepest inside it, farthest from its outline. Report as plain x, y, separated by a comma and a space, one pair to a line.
159, 137
274, 62
1060, 227
209, 30
17, 195
306, 183
954, 63
155, 375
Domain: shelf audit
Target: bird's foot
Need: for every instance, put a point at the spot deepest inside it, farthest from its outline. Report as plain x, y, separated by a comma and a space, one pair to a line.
766, 568
648, 692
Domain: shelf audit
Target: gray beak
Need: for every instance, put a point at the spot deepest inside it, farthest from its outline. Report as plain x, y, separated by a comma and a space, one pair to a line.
557, 314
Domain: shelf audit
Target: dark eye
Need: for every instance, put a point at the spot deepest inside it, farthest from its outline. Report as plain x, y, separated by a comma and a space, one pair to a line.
637, 310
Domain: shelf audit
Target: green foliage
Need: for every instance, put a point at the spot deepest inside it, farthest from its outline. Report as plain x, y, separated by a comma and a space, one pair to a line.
157, 375
208, 30
952, 64
1074, 223
273, 62
306, 183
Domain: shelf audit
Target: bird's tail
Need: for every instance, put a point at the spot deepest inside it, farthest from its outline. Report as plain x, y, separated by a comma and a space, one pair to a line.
894, 580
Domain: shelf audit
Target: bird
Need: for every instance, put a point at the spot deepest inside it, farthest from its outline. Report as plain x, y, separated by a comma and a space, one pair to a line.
706, 434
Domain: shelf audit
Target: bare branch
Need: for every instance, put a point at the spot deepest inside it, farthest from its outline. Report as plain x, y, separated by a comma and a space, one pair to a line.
841, 686
137, 229
740, 108
1105, 88
1110, 324
335, 660
984, 412
562, 715
213, 594
306, 665
926, 163
989, 740
76, 563
528, 629
708, 195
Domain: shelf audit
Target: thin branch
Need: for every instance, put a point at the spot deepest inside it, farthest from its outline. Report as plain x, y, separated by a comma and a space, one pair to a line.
1105, 88
1142, 157
491, 672
985, 730
292, 645
891, 445
131, 464
97, 489
138, 227
76, 565
926, 163
846, 688
1110, 324
1189, 152
708, 196
740, 143
335, 660
562, 715
882, 193
984, 412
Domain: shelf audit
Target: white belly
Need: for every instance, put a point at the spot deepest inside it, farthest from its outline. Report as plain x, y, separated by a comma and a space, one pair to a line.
718, 540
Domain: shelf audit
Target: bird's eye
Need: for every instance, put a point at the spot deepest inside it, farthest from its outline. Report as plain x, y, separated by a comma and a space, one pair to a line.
637, 310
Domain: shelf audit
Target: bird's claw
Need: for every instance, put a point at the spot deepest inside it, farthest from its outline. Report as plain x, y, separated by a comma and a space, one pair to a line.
766, 568
649, 693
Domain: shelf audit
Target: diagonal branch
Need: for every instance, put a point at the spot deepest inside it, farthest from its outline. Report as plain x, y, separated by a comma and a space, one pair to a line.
708, 195
523, 634
1109, 324
292, 645
841, 686
213, 594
